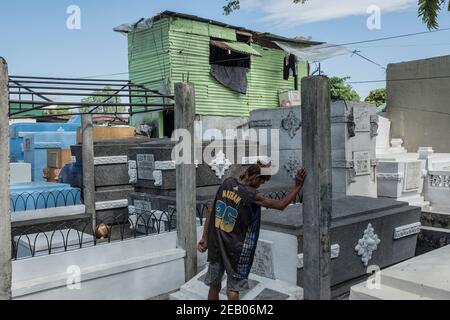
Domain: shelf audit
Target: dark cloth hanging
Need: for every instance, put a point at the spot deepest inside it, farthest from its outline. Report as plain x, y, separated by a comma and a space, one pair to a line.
290, 65
234, 78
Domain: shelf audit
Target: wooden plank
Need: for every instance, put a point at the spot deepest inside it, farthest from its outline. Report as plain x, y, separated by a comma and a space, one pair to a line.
5, 216
186, 179
316, 135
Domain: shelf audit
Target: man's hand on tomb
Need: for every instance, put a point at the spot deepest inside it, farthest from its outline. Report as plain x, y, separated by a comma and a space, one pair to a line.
300, 178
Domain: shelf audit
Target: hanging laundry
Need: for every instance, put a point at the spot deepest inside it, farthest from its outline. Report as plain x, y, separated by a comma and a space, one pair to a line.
289, 67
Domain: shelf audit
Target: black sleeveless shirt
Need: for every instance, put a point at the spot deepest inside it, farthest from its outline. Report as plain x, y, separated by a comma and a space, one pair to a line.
234, 228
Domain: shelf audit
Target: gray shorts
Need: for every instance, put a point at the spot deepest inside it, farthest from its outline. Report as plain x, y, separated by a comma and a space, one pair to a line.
214, 276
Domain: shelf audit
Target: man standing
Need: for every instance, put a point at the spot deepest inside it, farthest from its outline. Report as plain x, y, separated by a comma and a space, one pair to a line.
231, 234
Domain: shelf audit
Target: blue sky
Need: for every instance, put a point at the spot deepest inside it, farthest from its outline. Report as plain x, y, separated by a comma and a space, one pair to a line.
36, 41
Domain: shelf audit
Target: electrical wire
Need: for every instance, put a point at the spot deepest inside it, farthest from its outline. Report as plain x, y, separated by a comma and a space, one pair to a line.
387, 38
105, 75
330, 46
406, 45
369, 60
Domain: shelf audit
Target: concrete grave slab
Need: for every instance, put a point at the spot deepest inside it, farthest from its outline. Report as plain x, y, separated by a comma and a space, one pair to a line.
351, 217
421, 278
260, 288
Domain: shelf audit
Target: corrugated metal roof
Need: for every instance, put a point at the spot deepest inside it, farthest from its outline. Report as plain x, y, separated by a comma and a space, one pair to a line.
262, 35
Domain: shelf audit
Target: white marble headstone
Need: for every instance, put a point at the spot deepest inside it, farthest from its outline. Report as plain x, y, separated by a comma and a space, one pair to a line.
413, 175
263, 263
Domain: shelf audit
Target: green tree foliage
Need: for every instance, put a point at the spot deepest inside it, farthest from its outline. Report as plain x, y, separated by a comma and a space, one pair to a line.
64, 111
342, 91
377, 97
97, 97
233, 5
428, 10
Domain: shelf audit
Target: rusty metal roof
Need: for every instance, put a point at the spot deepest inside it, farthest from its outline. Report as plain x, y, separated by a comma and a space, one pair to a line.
256, 34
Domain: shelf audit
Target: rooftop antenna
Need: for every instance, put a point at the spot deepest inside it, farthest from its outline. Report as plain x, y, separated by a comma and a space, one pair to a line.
318, 69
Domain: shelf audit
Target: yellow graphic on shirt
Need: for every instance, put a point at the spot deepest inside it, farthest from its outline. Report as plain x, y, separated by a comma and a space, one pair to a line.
230, 195
225, 217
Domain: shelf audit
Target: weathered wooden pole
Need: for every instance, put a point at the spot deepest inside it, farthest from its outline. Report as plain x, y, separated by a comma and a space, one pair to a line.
318, 187
88, 168
186, 179
5, 216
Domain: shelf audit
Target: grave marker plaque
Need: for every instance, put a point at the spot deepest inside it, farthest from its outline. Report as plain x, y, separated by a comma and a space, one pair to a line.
362, 119
362, 163
145, 166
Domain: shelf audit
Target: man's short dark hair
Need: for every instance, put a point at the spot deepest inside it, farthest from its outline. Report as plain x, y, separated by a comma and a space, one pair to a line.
255, 170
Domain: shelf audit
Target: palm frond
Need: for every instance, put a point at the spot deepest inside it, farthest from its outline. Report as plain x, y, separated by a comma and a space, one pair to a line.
429, 11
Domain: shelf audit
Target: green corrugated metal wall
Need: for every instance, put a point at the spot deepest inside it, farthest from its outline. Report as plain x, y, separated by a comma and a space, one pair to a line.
190, 56
149, 63
189, 46
178, 48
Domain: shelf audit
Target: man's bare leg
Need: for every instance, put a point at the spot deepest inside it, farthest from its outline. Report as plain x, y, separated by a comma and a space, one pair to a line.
214, 291
232, 295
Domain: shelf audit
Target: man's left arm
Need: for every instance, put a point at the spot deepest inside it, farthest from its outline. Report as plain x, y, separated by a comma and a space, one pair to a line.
278, 204
283, 203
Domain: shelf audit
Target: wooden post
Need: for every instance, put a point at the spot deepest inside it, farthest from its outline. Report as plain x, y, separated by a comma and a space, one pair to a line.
88, 169
186, 180
5, 215
317, 200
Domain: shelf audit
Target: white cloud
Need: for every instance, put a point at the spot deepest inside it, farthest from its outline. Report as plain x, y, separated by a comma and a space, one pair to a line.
285, 12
